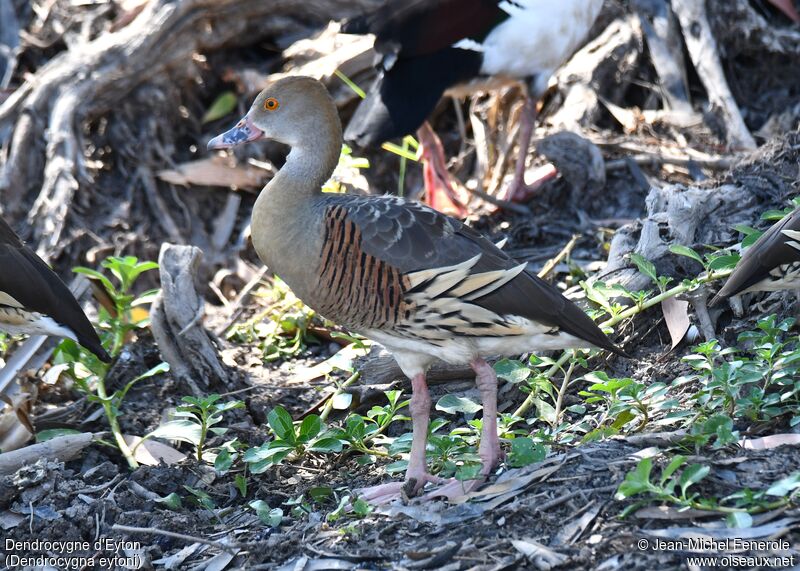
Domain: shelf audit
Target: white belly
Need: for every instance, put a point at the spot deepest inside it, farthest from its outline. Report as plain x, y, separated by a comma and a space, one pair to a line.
16, 321
415, 355
538, 36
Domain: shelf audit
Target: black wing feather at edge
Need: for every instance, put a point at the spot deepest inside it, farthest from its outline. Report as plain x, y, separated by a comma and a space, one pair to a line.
26, 278
412, 237
768, 252
420, 34
422, 27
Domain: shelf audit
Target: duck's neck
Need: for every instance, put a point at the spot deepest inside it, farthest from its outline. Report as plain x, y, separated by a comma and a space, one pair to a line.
308, 166
284, 214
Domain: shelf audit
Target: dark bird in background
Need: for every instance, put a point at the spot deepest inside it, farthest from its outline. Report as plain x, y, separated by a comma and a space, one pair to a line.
34, 300
429, 46
771, 264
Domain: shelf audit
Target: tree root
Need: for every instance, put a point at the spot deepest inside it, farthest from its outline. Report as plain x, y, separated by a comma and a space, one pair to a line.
48, 111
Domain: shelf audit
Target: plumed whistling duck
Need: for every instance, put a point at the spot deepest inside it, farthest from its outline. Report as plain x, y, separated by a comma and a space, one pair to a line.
428, 46
772, 263
34, 300
422, 284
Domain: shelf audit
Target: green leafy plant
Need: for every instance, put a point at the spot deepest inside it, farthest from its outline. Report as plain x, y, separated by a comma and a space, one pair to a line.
672, 487
194, 420
269, 516
347, 167
758, 380
307, 436
676, 486
281, 330
126, 311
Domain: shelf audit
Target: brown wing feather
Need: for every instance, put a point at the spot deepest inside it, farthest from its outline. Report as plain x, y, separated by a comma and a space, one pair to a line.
767, 253
26, 278
408, 237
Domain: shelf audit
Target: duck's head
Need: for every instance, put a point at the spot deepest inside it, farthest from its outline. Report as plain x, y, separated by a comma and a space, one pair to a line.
292, 110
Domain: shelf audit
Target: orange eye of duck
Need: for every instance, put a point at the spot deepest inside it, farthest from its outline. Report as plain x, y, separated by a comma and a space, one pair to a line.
271, 104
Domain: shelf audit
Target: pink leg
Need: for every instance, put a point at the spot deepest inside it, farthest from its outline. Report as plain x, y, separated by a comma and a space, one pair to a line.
438, 184
787, 7
518, 191
416, 474
489, 449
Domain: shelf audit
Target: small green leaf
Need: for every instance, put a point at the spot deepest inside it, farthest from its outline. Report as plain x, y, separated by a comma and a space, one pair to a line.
645, 266
326, 445
182, 430
270, 516
355, 427
637, 481
281, 423
524, 452
691, 476
172, 501
785, 486
724, 262
739, 520
50, 433
512, 370
309, 428
223, 461
622, 419
685, 251
773, 215
396, 467
320, 494
676, 463
361, 508
240, 481
223, 105
341, 401
452, 404
468, 471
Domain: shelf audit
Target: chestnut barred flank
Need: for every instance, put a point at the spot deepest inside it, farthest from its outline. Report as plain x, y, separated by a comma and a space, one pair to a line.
361, 290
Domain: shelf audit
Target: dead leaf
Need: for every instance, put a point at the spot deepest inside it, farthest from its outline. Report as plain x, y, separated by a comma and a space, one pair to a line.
540, 556
570, 533
776, 528
676, 314
152, 452
768, 442
62, 448
129, 10
217, 170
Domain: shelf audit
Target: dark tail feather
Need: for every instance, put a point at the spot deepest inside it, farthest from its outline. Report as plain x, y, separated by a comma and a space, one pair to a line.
92, 343
357, 25
405, 95
577, 323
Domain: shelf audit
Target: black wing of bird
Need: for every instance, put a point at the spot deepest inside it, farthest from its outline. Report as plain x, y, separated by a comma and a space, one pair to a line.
419, 61
771, 250
422, 27
27, 279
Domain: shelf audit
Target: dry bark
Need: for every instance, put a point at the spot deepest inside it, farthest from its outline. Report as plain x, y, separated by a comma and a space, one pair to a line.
88, 80
698, 215
176, 320
703, 50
